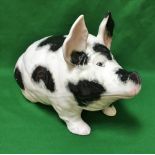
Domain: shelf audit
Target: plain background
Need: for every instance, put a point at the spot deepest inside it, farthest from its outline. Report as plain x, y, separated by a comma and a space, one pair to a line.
31, 128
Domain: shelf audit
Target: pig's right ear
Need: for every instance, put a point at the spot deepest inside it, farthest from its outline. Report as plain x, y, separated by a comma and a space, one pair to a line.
105, 31
76, 41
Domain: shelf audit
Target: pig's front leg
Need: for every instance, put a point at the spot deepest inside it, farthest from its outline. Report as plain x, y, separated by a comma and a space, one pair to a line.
73, 120
109, 111
78, 127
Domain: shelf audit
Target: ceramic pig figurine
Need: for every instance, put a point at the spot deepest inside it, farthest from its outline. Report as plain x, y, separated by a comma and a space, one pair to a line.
76, 72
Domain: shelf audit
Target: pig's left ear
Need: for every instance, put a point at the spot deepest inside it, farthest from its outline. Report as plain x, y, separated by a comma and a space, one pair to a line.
105, 31
76, 41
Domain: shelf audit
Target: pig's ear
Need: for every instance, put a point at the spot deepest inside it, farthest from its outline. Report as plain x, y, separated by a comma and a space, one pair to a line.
76, 41
105, 31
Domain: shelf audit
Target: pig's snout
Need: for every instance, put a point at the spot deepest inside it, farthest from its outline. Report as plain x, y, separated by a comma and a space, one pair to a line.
124, 75
134, 77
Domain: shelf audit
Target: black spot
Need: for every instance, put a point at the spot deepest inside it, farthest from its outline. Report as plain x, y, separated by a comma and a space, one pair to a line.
110, 25
79, 58
55, 42
86, 91
123, 74
41, 73
103, 50
18, 77
135, 77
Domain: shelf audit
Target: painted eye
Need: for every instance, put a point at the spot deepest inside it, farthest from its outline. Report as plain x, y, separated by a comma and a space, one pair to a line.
100, 64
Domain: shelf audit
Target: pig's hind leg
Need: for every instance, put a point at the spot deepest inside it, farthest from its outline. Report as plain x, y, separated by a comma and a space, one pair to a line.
109, 111
29, 96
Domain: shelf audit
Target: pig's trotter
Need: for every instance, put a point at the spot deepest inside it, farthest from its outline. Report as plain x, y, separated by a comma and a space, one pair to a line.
73, 120
109, 111
79, 127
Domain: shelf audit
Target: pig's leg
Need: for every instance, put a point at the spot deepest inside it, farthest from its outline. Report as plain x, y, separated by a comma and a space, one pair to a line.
78, 126
29, 96
73, 120
109, 111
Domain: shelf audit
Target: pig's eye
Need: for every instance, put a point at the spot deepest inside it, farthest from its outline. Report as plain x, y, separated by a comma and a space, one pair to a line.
100, 64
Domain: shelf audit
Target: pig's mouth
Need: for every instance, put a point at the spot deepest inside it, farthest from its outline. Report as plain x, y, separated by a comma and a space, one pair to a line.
128, 95
119, 96
123, 97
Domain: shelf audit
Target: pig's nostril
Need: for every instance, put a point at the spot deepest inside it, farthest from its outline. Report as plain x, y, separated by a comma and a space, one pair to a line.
134, 77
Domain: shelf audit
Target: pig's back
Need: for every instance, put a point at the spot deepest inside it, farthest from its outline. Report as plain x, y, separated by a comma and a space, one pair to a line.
42, 71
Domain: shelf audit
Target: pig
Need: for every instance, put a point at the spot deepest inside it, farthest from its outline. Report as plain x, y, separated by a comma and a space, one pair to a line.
76, 72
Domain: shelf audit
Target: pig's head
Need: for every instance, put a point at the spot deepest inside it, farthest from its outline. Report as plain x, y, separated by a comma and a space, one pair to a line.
90, 60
